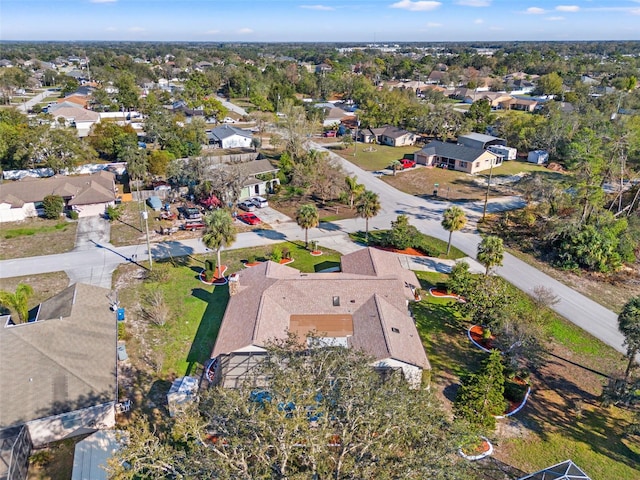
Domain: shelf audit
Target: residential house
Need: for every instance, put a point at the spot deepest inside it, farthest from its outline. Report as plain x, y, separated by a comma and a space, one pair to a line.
75, 116
79, 100
262, 178
387, 135
227, 136
456, 157
480, 140
58, 371
522, 104
15, 448
87, 194
365, 307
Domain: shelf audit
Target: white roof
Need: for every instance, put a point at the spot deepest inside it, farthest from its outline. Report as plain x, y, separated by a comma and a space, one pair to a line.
92, 453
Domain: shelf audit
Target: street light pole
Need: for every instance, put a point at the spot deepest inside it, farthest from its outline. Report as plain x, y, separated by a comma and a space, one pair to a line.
486, 196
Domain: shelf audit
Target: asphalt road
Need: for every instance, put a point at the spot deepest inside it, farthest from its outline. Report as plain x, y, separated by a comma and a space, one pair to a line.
426, 215
95, 265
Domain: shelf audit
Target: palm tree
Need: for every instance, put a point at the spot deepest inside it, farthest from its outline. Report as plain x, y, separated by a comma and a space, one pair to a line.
629, 326
368, 207
354, 189
453, 220
219, 232
490, 252
18, 301
395, 166
307, 217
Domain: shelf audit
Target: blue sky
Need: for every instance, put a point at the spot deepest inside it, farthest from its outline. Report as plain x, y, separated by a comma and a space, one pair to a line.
319, 20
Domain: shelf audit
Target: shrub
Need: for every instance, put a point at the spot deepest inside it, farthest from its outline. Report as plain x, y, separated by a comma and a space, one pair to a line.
114, 212
73, 215
53, 206
402, 234
251, 258
276, 254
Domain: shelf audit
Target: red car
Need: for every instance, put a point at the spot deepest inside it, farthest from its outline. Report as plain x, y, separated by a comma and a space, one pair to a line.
407, 163
249, 218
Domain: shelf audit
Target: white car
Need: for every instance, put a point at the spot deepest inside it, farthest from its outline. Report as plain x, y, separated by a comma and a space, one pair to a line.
260, 202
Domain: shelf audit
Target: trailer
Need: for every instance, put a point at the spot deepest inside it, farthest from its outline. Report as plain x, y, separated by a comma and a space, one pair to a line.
507, 153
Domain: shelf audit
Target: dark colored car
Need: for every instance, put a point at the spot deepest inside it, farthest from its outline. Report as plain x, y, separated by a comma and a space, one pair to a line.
249, 218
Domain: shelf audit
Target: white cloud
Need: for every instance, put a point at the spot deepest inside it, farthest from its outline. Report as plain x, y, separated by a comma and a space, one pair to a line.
535, 11
568, 8
103, 1
245, 31
478, 21
555, 19
136, 29
474, 3
635, 11
419, 6
317, 7
433, 25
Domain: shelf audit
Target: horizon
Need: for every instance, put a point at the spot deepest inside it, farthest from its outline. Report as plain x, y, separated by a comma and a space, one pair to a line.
328, 21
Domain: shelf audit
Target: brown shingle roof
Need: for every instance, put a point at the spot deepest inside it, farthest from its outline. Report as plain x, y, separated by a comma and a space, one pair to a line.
60, 364
375, 299
86, 189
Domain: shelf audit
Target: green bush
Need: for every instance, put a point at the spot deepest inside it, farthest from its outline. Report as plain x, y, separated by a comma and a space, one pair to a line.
276, 254
53, 206
402, 234
514, 391
73, 215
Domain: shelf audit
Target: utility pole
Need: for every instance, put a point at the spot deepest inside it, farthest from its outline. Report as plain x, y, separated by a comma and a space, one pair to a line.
355, 140
145, 216
486, 195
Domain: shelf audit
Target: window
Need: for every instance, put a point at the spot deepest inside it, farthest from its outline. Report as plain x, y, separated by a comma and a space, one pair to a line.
336, 301
463, 164
395, 330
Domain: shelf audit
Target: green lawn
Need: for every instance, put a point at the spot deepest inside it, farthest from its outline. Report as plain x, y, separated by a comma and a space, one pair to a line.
564, 417
185, 341
380, 156
434, 247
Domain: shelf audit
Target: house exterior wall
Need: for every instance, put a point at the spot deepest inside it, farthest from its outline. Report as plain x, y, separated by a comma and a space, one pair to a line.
411, 373
66, 425
92, 210
423, 159
398, 142
483, 162
8, 214
263, 188
236, 141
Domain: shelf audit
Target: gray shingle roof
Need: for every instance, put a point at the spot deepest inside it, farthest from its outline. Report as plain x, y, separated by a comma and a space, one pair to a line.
452, 150
58, 365
226, 131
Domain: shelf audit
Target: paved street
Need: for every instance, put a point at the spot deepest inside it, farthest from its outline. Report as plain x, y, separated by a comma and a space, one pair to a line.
95, 264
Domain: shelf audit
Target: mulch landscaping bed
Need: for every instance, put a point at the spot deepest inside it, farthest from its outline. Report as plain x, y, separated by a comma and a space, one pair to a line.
478, 337
406, 251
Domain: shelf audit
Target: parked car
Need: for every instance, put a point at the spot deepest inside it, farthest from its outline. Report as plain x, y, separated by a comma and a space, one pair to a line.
190, 213
249, 218
330, 133
407, 163
192, 226
260, 202
167, 216
247, 206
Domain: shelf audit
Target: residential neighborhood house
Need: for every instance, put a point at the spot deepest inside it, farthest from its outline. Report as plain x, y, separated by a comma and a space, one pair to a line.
365, 306
456, 157
58, 371
387, 135
87, 194
227, 136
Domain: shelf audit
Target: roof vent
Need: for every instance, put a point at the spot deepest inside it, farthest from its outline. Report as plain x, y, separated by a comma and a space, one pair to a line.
336, 301
395, 330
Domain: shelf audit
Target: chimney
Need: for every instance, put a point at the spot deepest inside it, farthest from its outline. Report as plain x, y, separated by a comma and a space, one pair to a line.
234, 284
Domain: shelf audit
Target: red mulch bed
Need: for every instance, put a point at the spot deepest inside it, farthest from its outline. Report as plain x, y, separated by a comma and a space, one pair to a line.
406, 251
436, 292
476, 334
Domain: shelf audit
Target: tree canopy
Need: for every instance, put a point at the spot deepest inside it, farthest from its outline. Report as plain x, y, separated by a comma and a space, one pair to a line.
322, 413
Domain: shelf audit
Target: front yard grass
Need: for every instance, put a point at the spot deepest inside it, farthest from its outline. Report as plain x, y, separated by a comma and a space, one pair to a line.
433, 246
37, 236
184, 343
375, 157
564, 417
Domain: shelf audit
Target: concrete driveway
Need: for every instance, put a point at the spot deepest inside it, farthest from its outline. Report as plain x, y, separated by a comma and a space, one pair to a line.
92, 231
